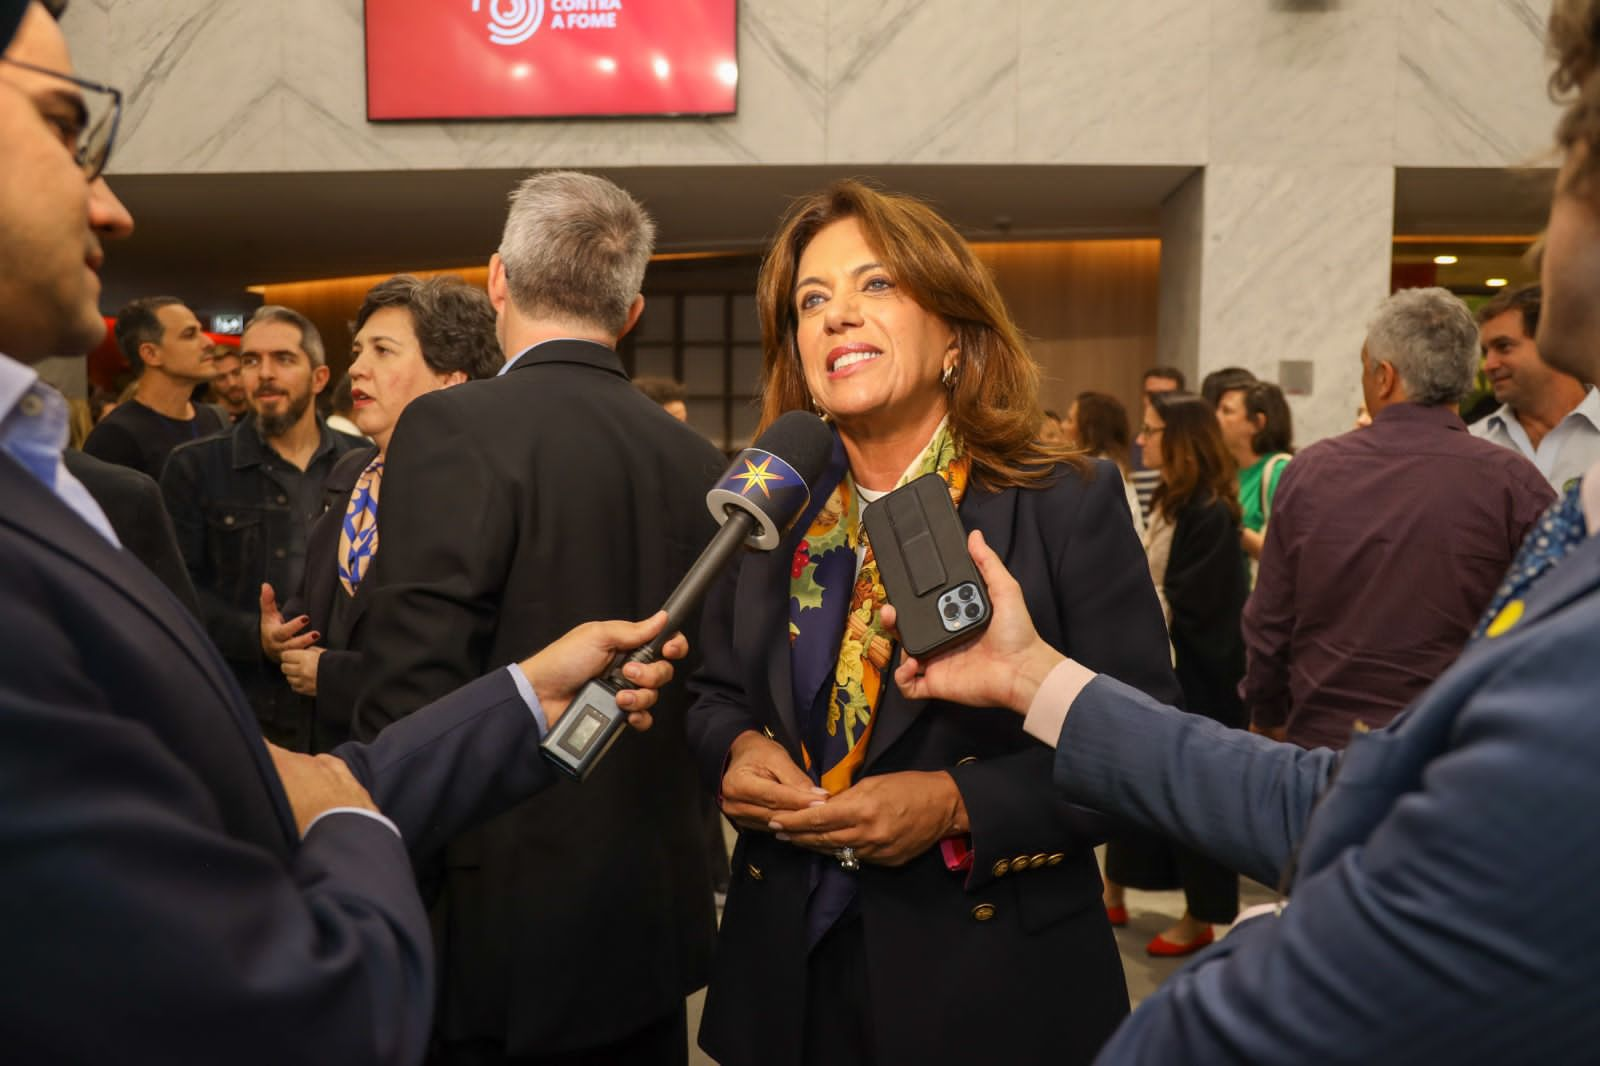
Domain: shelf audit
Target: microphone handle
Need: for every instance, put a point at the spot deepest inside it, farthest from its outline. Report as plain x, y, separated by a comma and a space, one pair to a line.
692, 589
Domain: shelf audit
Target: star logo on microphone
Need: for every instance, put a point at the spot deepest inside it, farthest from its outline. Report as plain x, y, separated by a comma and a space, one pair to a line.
756, 477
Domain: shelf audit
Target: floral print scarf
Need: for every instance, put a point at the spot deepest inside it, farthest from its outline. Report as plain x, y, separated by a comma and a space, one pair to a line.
839, 645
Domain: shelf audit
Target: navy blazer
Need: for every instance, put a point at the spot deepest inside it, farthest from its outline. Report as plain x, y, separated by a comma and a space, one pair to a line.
1442, 871
946, 984
157, 904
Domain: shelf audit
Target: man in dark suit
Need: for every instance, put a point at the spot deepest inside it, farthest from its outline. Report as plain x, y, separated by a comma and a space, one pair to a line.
171, 893
513, 508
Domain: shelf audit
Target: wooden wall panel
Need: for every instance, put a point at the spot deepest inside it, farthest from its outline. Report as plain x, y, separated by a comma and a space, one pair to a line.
1088, 309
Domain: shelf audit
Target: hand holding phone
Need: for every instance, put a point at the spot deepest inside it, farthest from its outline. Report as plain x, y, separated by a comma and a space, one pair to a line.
921, 549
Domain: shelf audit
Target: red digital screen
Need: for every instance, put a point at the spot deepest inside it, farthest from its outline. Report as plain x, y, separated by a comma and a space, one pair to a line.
458, 59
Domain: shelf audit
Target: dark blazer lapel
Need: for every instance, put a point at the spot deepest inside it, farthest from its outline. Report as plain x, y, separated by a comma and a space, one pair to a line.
992, 513
56, 528
764, 585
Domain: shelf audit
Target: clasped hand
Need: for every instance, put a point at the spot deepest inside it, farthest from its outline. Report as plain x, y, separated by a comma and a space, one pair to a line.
891, 818
888, 819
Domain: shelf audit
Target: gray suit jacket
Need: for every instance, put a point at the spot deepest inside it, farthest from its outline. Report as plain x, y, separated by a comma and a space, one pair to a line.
1442, 870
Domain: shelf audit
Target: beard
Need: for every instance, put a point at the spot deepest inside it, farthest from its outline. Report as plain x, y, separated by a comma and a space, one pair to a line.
276, 425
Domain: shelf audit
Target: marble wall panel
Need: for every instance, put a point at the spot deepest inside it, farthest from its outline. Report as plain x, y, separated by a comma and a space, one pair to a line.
783, 56
200, 81
1302, 83
1113, 81
1183, 248
922, 81
1295, 261
1472, 80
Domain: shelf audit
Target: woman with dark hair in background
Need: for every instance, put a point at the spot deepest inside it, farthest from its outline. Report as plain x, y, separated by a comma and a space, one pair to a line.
1259, 432
1097, 424
412, 337
1193, 546
905, 888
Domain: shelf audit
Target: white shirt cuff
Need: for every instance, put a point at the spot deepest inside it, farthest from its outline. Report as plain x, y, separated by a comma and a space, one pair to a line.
374, 815
1061, 688
525, 690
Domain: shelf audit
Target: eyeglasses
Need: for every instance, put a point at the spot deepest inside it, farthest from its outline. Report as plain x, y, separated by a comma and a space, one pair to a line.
1150, 431
90, 134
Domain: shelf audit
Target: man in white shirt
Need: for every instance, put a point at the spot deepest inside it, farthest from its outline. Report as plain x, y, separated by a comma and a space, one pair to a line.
1548, 416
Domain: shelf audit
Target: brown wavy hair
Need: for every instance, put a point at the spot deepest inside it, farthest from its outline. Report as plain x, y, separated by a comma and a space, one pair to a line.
994, 398
1574, 44
1196, 466
1103, 427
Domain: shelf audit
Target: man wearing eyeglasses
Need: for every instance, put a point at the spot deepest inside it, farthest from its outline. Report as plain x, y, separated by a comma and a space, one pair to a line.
173, 892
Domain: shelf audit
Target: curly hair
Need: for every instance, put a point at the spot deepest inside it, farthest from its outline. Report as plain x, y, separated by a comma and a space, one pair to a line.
454, 322
994, 398
1574, 44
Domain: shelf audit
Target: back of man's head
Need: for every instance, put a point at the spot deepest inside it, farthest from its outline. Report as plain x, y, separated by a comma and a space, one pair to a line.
138, 324
1525, 301
1430, 339
575, 248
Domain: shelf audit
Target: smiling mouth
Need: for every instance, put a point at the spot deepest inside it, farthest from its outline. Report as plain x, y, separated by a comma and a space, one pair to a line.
358, 397
845, 358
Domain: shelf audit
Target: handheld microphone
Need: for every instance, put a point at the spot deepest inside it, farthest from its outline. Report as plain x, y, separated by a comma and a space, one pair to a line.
756, 501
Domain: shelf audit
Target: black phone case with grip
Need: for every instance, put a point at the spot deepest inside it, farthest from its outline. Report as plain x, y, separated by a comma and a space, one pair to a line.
921, 549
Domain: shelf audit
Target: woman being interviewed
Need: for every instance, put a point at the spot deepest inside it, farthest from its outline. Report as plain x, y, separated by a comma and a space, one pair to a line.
905, 888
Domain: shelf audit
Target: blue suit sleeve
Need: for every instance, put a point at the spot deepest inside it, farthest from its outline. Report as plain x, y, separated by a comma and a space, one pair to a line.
465, 757
1240, 798
1459, 929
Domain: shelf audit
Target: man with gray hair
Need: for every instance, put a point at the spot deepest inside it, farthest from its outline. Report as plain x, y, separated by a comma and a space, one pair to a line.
556, 492
243, 502
1386, 543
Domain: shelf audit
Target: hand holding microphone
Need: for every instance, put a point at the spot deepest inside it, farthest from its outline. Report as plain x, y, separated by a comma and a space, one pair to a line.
757, 499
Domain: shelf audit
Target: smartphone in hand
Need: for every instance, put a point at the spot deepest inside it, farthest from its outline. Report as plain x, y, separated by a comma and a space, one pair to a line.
921, 549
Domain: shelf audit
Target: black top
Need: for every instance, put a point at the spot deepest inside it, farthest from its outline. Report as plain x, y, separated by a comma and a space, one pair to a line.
1206, 584
140, 437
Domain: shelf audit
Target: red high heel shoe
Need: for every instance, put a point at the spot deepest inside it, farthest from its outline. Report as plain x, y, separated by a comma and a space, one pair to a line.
1117, 916
1163, 948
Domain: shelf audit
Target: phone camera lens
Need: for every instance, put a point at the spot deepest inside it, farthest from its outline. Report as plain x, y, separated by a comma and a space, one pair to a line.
972, 611
966, 592
951, 611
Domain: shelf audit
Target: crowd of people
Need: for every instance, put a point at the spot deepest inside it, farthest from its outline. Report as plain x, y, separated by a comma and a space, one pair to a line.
275, 795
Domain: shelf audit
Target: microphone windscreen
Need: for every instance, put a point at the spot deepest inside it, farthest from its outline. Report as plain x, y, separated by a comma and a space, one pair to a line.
771, 480
800, 439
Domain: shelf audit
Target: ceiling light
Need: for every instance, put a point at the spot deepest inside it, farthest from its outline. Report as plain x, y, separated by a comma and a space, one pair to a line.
1497, 283
1446, 260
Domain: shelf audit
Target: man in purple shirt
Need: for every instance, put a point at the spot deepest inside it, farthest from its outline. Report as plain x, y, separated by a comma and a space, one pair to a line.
1386, 543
